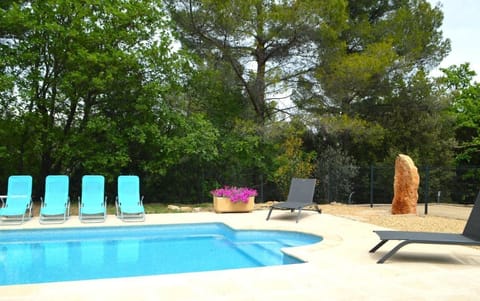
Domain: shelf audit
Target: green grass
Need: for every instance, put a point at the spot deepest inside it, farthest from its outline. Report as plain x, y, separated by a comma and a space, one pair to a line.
150, 208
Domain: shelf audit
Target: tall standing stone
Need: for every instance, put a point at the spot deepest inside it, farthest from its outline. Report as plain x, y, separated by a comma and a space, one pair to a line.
405, 186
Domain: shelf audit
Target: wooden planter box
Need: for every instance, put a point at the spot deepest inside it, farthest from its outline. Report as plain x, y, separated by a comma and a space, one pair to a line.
221, 205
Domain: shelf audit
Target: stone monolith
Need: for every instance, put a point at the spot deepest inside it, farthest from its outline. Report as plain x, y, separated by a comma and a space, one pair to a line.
405, 186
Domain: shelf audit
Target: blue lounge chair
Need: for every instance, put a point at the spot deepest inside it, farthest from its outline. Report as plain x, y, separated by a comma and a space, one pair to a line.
55, 208
129, 204
300, 195
18, 205
92, 204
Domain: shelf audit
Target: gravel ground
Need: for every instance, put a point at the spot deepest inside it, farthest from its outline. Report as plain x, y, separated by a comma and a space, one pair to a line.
381, 216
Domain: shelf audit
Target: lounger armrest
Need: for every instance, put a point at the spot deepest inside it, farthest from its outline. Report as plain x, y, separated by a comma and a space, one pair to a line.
141, 201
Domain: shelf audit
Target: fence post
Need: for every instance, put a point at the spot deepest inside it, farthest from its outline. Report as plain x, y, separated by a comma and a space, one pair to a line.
426, 191
371, 186
261, 188
329, 185
202, 185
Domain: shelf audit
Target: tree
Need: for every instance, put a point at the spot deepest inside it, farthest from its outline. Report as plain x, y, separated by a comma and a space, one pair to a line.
385, 40
378, 79
87, 87
292, 162
418, 122
458, 82
68, 59
336, 172
268, 44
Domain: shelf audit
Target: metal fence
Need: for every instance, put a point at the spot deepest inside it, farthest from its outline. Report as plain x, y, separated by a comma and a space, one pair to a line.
368, 185
374, 185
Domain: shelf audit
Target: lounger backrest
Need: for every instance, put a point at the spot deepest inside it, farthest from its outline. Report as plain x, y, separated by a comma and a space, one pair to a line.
128, 189
301, 190
93, 187
56, 189
19, 191
472, 228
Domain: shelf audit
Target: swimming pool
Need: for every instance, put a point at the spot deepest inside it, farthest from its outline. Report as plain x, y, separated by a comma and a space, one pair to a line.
52, 255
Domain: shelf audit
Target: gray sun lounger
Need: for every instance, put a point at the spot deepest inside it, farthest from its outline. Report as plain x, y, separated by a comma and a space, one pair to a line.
469, 237
300, 195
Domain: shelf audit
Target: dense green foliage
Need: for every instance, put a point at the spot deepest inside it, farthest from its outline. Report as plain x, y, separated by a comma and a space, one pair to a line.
458, 81
185, 94
89, 87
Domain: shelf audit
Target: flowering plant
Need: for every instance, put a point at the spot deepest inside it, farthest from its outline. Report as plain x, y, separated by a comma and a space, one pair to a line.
235, 194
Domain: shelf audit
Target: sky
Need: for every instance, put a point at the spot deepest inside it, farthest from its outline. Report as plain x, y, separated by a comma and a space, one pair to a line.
462, 26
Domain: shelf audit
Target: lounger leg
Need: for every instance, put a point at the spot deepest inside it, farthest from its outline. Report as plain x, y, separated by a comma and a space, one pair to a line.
298, 215
381, 243
393, 251
269, 212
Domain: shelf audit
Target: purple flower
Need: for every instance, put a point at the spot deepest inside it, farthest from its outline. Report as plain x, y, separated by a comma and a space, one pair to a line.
235, 194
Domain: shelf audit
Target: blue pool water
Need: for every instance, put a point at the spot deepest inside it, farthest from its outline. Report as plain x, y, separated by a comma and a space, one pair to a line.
50, 255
